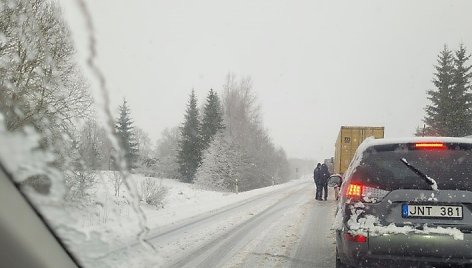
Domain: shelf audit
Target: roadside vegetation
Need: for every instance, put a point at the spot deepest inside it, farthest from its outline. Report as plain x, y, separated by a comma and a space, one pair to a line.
450, 110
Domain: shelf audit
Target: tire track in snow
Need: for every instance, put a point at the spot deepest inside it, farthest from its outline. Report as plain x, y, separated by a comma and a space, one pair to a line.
216, 213
218, 251
316, 248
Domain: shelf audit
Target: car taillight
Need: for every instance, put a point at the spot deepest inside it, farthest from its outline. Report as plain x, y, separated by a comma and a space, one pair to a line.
430, 145
359, 192
354, 191
355, 238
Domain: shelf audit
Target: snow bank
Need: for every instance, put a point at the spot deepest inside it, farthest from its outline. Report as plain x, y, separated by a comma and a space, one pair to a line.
112, 217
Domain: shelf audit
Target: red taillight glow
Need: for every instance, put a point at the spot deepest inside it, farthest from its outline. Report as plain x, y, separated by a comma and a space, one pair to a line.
354, 190
430, 145
359, 192
355, 238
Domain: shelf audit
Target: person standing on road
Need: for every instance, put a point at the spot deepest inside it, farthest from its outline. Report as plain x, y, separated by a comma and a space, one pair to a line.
324, 176
317, 178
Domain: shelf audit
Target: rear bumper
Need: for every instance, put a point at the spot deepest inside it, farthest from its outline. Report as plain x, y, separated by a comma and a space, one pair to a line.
411, 248
424, 245
402, 262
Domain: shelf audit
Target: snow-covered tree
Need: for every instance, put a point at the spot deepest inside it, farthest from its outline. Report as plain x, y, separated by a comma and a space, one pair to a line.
144, 143
190, 147
245, 129
450, 111
212, 120
222, 165
41, 85
146, 163
281, 166
125, 132
94, 147
79, 176
241, 111
89, 145
166, 152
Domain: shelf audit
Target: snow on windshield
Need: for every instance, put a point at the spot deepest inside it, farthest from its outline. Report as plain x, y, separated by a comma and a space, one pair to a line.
51, 141
201, 181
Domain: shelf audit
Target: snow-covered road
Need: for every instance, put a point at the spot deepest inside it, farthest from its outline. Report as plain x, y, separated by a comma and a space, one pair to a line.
283, 228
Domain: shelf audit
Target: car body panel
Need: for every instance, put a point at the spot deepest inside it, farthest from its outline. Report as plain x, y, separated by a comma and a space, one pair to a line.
409, 239
25, 240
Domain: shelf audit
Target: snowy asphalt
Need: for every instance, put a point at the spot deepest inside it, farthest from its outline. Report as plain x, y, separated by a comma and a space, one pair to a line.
291, 230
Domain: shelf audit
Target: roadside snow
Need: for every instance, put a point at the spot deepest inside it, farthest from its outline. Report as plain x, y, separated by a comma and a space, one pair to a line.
186, 200
114, 220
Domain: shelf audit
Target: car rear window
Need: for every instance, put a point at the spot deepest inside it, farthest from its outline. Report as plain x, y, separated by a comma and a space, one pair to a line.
451, 167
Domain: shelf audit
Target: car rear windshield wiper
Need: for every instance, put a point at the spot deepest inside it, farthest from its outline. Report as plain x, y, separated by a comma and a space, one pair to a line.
430, 181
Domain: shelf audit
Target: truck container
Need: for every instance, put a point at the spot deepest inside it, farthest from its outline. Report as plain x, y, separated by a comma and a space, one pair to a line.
349, 138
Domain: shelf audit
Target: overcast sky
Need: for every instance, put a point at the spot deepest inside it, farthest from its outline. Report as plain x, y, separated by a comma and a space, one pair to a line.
316, 65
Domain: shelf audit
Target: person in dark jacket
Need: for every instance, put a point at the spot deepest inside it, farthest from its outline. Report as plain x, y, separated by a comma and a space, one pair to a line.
324, 176
317, 178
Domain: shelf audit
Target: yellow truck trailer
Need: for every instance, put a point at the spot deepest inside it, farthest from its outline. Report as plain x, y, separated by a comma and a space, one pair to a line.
349, 138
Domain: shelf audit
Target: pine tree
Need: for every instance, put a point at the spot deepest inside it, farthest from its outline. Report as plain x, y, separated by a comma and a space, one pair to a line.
438, 112
212, 120
450, 113
461, 120
125, 131
190, 148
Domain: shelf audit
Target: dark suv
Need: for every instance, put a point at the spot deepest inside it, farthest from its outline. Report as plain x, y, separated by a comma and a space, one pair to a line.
406, 203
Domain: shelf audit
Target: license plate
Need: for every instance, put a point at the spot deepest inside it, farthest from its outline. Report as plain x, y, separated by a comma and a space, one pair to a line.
431, 211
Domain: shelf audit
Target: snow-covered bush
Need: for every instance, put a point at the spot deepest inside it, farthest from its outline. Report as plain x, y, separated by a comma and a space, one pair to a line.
117, 178
77, 183
147, 167
152, 192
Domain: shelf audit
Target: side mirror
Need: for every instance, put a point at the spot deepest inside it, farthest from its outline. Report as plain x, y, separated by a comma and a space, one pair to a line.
334, 180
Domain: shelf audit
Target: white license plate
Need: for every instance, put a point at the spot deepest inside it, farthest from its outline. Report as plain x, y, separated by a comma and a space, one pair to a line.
431, 211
